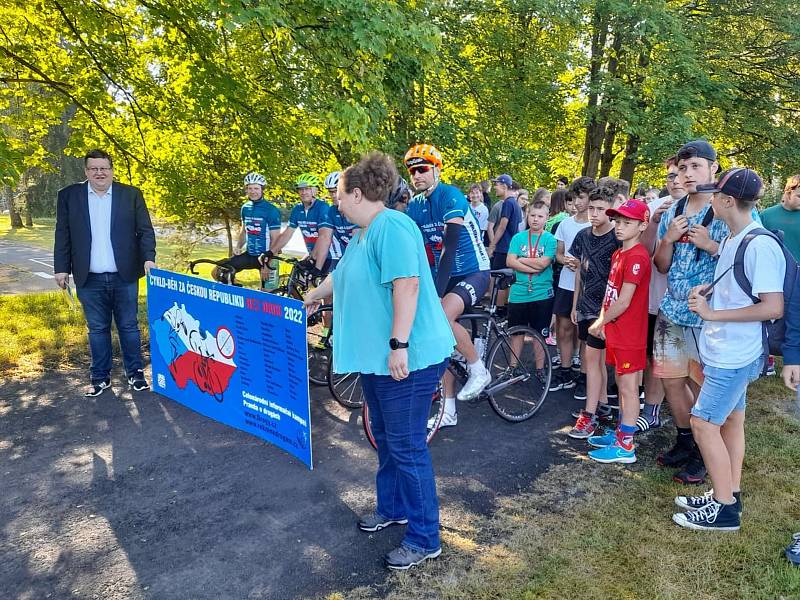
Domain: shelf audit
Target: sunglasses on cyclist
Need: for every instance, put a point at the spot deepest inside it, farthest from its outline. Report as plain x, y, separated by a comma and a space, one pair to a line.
420, 169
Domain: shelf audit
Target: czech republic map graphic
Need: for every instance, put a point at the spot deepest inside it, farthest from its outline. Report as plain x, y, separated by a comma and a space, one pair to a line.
192, 355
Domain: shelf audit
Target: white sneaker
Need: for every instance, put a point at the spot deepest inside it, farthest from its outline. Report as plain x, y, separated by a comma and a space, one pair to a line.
448, 420
478, 379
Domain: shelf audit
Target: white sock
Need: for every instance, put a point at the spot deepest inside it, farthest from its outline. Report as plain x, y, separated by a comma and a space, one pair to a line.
450, 406
477, 365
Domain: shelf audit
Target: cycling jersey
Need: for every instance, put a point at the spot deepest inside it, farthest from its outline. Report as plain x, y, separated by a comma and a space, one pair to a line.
309, 221
430, 214
259, 218
342, 232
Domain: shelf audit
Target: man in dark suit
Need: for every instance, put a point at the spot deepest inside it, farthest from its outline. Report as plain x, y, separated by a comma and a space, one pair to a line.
104, 237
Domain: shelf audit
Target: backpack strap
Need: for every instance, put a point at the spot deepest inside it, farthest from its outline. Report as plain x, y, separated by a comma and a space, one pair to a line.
738, 261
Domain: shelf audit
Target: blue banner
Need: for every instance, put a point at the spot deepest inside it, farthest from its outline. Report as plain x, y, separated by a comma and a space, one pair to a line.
236, 355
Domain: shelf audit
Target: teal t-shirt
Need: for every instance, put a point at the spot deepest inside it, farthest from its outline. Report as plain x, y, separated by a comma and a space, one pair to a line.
778, 218
540, 284
390, 248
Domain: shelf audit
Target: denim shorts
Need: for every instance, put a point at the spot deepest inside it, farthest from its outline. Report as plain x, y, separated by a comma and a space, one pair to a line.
724, 391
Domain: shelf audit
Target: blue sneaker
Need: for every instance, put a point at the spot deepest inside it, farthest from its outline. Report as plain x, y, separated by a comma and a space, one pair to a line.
601, 441
613, 454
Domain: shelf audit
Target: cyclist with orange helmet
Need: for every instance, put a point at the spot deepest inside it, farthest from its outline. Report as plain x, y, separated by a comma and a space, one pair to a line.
452, 237
310, 216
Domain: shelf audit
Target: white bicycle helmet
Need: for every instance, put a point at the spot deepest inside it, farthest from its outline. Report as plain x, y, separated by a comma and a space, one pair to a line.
257, 178
332, 180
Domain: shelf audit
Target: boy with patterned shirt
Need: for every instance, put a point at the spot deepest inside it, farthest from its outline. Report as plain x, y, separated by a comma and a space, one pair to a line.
593, 247
623, 325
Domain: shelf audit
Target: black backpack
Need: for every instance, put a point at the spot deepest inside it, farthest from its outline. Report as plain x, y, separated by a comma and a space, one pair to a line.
680, 208
774, 331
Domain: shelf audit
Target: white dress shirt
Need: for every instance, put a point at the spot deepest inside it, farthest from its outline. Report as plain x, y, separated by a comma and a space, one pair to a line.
102, 252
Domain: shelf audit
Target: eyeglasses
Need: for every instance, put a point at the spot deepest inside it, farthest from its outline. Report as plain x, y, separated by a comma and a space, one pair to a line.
98, 169
420, 169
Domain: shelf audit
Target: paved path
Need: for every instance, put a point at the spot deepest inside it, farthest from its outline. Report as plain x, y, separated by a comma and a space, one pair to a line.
25, 269
138, 497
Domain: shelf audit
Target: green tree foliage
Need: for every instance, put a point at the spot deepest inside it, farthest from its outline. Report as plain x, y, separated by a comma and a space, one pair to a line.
190, 95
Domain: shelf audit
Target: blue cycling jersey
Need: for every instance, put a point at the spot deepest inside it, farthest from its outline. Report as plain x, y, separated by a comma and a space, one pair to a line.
342, 232
430, 214
259, 218
309, 221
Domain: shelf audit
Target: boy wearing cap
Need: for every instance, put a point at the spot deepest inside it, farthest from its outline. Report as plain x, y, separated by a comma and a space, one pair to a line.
623, 325
689, 237
731, 348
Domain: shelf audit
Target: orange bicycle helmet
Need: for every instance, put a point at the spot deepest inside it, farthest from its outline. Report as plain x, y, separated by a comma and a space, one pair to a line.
423, 153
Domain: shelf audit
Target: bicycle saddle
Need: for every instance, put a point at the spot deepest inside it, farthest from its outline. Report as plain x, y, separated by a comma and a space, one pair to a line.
503, 277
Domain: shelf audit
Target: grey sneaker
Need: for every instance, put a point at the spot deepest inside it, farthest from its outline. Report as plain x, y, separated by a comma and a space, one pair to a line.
403, 557
376, 522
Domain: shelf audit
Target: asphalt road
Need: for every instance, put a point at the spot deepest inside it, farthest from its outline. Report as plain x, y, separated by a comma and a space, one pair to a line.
25, 269
127, 496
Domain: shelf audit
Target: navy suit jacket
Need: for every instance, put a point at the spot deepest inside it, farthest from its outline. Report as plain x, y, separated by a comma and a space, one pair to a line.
132, 235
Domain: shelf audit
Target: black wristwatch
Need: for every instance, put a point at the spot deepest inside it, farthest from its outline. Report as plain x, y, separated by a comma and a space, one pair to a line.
396, 344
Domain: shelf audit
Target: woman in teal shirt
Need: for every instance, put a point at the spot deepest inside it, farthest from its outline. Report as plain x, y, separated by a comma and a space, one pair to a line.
391, 328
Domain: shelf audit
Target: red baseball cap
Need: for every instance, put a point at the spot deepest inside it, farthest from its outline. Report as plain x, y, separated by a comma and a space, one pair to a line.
633, 209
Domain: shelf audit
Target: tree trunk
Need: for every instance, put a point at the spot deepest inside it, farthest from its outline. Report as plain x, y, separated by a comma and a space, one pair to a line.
16, 218
608, 149
27, 211
596, 125
628, 167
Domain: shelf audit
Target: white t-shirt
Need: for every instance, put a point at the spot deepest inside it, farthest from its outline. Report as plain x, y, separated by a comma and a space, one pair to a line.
658, 280
482, 214
730, 345
566, 232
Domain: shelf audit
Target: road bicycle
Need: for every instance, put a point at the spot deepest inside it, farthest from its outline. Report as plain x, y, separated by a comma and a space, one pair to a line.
517, 357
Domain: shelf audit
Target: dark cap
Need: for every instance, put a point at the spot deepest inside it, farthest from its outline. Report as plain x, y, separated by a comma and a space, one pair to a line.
742, 184
698, 148
504, 179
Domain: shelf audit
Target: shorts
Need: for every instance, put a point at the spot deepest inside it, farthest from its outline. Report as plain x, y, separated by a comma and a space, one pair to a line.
470, 288
626, 360
651, 329
562, 306
242, 262
535, 315
499, 260
584, 335
675, 352
724, 391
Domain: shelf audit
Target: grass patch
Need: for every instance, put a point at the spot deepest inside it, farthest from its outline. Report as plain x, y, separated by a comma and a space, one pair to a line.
600, 531
40, 235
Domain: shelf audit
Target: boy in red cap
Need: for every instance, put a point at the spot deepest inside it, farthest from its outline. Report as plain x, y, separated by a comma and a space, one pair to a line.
623, 324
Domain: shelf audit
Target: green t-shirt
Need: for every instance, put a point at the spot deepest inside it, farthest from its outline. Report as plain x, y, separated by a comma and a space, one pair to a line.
555, 219
788, 221
391, 248
530, 287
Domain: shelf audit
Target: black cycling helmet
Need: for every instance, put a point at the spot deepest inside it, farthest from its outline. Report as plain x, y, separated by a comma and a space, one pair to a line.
397, 194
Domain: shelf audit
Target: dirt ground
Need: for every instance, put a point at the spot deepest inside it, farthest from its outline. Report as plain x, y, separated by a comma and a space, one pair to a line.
127, 496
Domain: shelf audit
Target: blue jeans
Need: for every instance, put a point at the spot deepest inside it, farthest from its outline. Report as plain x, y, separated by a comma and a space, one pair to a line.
104, 295
399, 412
724, 391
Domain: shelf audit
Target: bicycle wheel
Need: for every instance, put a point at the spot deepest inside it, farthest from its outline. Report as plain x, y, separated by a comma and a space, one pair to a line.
346, 388
521, 375
434, 419
318, 336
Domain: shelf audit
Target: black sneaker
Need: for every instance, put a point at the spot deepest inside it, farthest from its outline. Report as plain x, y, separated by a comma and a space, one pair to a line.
698, 502
714, 516
694, 473
580, 387
376, 522
98, 388
403, 557
138, 382
561, 380
676, 456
